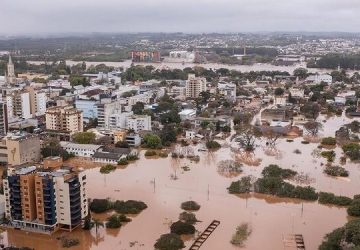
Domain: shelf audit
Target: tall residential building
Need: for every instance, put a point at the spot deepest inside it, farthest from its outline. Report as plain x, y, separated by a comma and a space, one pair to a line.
3, 119
38, 101
66, 118
138, 123
105, 109
45, 200
11, 78
23, 148
194, 86
18, 105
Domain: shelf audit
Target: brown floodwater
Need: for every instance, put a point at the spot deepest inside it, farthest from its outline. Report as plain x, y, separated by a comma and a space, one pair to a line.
270, 218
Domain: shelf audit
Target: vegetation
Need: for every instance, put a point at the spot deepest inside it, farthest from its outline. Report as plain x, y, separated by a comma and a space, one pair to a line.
84, 137
163, 154
129, 207
122, 144
107, 169
241, 186
150, 153
123, 162
132, 157
152, 141
213, 145
352, 150
169, 242
354, 208
181, 228
313, 127
330, 198
336, 171
121, 207
116, 220
329, 141
346, 237
329, 155
67, 242
100, 205
275, 171
190, 206
188, 218
242, 233
52, 147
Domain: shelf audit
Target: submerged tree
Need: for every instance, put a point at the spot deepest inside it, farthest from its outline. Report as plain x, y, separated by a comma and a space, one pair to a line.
313, 127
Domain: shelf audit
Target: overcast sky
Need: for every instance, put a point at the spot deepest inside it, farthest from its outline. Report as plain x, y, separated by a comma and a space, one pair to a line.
58, 16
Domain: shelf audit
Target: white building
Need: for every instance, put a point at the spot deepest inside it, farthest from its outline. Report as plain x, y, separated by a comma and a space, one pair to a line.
194, 86
227, 89
82, 150
40, 103
138, 123
297, 93
318, 78
18, 105
187, 114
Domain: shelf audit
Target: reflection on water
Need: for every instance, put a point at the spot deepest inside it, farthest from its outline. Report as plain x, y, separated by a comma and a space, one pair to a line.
270, 218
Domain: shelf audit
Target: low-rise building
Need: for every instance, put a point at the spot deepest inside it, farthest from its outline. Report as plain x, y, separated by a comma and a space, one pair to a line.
186, 114
82, 150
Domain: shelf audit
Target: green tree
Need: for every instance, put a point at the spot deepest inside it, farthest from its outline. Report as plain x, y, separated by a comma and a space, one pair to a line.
169, 242
84, 137
152, 141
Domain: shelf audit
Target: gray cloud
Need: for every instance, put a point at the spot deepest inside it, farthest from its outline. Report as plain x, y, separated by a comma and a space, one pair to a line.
54, 16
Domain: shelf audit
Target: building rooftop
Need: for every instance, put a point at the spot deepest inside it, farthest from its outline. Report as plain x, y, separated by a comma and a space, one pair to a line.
65, 144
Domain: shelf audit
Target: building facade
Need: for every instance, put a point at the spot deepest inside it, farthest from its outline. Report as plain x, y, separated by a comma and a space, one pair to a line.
23, 148
45, 201
65, 118
194, 86
3, 119
138, 123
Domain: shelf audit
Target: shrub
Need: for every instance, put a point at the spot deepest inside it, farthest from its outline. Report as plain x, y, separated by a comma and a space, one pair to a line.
213, 145
180, 228
305, 142
242, 233
169, 242
123, 161
190, 206
129, 207
188, 218
330, 198
149, 153
354, 208
329, 155
352, 150
276, 186
174, 155
163, 154
152, 141
275, 171
107, 169
116, 220
132, 157
331, 141
67, 243
100, 205
241, 186
336, 171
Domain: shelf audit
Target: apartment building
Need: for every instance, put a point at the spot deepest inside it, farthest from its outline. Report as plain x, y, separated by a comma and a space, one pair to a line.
194, 86
3, 119
23, 148
18, 105
138, 123
43, 200
66, 118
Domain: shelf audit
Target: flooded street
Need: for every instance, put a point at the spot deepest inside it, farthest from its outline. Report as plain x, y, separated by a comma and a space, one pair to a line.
271, 218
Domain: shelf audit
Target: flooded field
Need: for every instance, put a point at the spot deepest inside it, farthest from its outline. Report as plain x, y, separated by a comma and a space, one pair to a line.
152, 181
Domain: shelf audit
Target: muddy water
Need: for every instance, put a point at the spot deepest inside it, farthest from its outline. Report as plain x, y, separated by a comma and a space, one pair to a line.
270, 218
